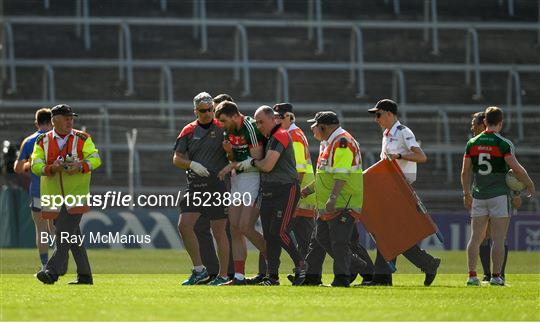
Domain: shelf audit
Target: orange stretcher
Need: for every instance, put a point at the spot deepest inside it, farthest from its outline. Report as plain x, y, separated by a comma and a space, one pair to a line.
392, 212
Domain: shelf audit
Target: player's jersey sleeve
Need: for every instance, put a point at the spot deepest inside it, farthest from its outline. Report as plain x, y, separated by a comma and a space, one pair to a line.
181, 145
182, 140
506, 147
253, 136
276, 145
468, 149
408, 138
26, 150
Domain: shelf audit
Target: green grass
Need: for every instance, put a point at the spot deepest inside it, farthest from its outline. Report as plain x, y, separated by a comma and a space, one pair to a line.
143, 285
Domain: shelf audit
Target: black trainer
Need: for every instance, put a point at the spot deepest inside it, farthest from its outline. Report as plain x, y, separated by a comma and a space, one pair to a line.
235, 282
82, 280
430, 276
299, 274
45, 277
267, 281
379, 280
255, 280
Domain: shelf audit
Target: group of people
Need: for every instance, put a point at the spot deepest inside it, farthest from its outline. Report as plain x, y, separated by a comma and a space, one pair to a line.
308, 211
264, 162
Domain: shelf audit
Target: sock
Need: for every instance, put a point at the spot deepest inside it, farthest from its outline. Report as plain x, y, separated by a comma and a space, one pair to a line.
199, 268
472, 274
505, 258
495, 275
274, 276
485, 256
44, 258
239, 269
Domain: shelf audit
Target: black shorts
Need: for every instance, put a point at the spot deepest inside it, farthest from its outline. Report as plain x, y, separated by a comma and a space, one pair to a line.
206, 199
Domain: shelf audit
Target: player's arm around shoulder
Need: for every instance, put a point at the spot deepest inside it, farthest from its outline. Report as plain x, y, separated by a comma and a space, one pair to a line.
272, 155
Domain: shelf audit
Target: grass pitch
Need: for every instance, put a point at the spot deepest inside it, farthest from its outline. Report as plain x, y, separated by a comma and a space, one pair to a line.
141, 285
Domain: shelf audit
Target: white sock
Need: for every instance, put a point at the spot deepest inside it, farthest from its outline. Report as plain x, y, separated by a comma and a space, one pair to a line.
239, 276
199, 268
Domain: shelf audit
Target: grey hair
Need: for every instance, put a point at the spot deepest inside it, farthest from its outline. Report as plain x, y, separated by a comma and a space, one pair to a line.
268, 111
202, 97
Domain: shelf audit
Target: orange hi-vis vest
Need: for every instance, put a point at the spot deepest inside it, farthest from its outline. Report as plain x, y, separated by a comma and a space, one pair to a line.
77, 186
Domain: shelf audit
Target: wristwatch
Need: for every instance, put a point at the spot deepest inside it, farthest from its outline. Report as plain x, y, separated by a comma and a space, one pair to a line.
398, 156
252, 162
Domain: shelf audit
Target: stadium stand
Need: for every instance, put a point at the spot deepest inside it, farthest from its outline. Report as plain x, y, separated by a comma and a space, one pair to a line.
136, 64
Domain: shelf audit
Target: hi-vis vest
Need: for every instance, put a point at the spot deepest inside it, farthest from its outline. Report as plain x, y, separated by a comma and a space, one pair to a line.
77, 186
340, 160
306, 205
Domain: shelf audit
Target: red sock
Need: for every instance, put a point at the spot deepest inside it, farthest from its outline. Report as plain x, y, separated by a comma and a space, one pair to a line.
472, 273
239, 266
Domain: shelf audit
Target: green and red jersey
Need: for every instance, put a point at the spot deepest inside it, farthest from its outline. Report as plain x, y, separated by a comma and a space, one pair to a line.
248, 136
487, 152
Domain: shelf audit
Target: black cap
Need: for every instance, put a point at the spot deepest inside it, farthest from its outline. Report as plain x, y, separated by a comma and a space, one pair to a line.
325, 117
63, 110
385, 105
282, 108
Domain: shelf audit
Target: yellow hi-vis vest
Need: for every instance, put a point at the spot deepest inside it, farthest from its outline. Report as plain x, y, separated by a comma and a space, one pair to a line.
339, 159
73, 188
306, 205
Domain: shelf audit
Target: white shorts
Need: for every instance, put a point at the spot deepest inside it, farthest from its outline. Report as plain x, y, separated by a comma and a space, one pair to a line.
246, 183
35, 204
495, 207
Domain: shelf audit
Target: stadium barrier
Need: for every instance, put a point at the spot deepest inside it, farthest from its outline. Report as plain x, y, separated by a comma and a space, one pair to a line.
16, 225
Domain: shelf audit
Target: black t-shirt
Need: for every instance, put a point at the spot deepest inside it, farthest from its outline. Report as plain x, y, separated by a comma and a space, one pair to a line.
203, 144
284, 172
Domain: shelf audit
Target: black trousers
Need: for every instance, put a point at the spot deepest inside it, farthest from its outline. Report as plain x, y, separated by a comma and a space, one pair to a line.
317, 254
418, 257
334, 237
277, 206
68, 224
303, 228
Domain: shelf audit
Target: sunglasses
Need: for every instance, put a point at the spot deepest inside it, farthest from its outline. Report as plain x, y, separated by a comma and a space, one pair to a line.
206, 110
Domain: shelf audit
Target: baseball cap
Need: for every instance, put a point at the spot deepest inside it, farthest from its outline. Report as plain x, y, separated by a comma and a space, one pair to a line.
385, 105
282, 108
325, 117
62, 110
